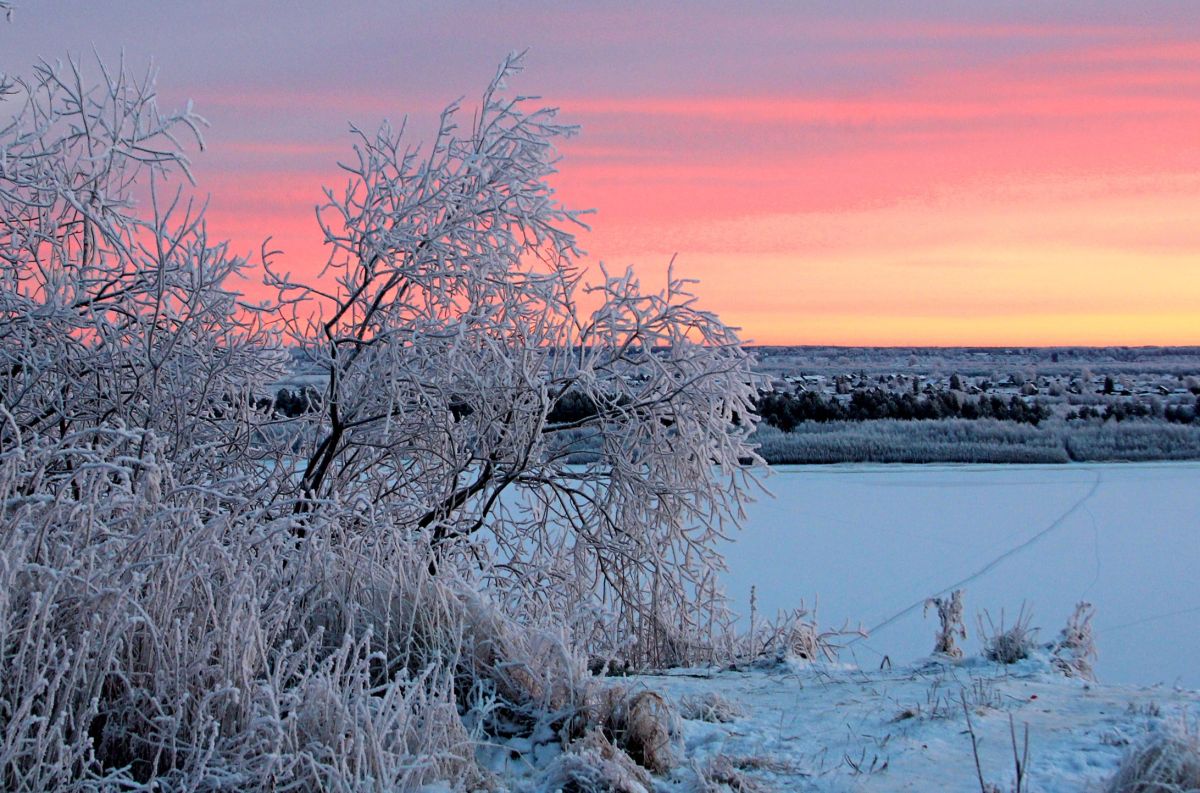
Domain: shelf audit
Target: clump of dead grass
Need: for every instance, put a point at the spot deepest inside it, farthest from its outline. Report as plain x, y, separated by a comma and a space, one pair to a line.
1166, 761
594, 765
725, 774
642, 723
1007, 645
711, 706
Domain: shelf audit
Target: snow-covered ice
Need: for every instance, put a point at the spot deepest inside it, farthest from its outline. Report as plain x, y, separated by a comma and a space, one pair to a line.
871, 540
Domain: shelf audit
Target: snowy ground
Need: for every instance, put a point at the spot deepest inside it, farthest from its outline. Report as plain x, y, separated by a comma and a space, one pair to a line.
807, 728
873, 541
799, 727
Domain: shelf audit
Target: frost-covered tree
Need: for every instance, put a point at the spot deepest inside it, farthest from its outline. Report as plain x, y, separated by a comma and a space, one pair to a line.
453, 322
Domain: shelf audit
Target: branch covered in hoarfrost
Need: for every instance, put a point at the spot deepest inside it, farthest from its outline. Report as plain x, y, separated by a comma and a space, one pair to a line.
115, 312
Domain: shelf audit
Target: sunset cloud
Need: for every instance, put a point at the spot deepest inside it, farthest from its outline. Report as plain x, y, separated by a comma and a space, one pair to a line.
960, 175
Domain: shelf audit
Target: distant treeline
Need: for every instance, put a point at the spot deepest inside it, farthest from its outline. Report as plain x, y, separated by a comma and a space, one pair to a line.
290, 402
786, 411
1123, 410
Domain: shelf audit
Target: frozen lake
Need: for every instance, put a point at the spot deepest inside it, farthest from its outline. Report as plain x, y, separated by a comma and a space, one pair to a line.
870, 541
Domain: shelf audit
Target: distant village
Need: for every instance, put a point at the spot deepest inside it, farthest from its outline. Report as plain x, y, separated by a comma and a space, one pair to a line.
1150, 382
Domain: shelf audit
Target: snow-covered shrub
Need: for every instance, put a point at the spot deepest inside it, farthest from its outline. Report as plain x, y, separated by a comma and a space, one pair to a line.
1075, 649
1008, 645
1165, 761
950, 623
471, 398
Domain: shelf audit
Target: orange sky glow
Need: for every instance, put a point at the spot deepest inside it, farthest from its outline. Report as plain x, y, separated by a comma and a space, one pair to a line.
951, 179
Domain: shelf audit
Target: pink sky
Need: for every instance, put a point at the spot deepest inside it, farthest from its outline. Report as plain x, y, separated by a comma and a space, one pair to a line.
956, 176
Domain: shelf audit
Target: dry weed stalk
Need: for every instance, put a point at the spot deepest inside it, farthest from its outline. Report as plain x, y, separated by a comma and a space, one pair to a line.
1020, 754
950, 621
1075, 649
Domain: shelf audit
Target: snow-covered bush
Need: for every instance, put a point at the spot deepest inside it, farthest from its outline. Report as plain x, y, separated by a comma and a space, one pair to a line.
114, 315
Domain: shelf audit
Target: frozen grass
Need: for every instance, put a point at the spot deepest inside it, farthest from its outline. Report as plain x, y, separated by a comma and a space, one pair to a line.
724, 773
792, 634
1007, 645
1165, 761
710, 706
1075, 650
949, 612
146, 635
594, 765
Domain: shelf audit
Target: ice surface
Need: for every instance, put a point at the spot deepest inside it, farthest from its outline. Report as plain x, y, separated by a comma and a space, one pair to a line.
871, 540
